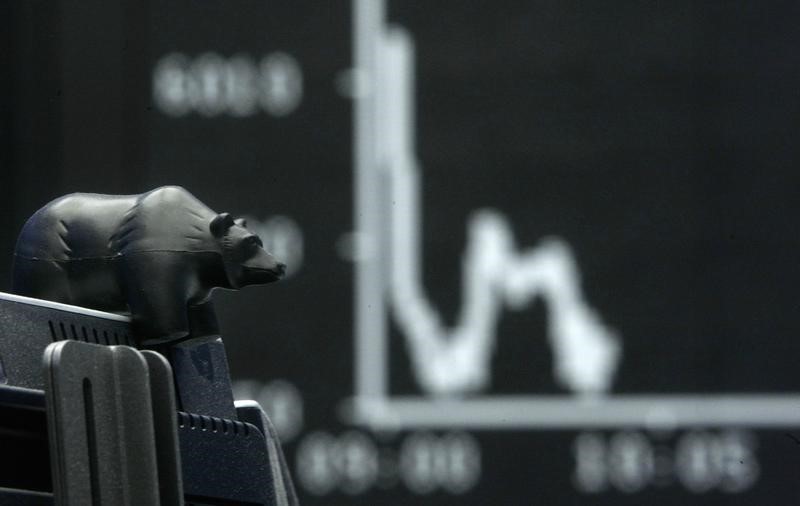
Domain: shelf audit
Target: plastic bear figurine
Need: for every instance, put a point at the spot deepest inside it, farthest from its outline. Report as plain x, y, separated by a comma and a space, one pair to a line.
157, 255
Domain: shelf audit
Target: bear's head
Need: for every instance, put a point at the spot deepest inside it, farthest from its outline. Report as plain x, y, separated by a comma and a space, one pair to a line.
243, 255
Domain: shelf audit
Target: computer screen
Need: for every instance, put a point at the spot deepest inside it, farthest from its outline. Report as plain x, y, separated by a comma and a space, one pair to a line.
538, 251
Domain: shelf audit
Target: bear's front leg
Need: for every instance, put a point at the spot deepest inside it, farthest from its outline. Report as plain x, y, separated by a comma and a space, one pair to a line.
156, 285
203, 319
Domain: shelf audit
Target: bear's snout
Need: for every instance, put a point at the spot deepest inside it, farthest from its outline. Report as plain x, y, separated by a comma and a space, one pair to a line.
260, 268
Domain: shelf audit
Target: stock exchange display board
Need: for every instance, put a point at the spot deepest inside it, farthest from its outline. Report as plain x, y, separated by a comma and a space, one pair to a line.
539, 252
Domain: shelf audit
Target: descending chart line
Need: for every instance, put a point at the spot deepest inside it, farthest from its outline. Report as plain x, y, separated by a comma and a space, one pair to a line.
495, 274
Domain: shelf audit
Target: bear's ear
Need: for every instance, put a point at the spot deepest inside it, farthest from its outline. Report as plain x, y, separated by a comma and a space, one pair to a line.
220, 224
241, 222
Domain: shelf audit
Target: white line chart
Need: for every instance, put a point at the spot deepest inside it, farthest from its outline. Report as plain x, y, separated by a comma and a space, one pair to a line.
456, 360
451, 363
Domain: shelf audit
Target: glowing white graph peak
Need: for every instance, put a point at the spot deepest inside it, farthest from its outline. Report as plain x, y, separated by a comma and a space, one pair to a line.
456, 360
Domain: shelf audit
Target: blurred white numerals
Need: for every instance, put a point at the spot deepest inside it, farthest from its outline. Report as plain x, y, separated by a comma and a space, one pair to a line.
451, 462
348, 462
239, 86
353, 463
699, 461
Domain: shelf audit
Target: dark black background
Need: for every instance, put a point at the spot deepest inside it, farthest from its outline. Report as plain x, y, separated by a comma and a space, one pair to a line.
657, 139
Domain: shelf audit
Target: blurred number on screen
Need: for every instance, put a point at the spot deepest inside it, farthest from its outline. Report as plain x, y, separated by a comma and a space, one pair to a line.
348, 462
315, 464
630, 461
700, 461
239, 86
590, 462
726, 461
428, 462
353, 463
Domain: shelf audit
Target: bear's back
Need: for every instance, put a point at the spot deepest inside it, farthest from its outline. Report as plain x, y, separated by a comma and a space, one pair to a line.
74, 226
165, 219
89, 225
